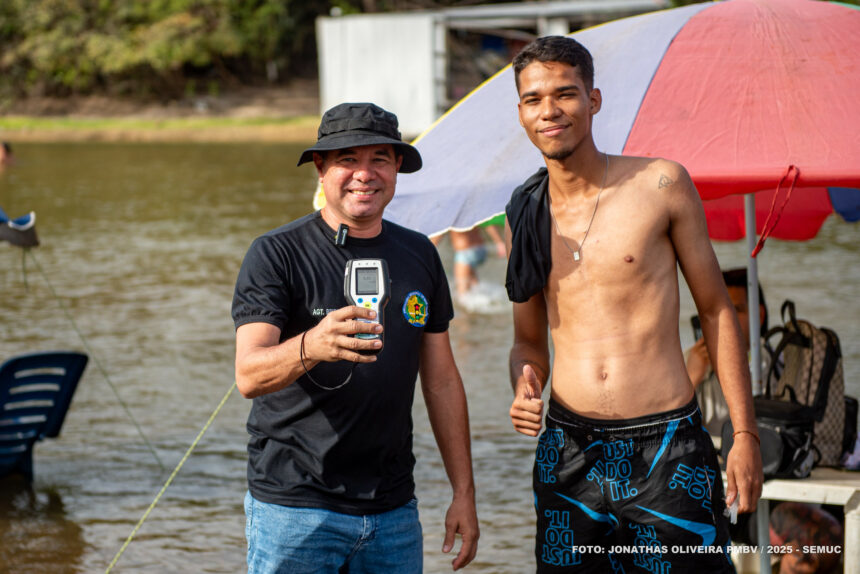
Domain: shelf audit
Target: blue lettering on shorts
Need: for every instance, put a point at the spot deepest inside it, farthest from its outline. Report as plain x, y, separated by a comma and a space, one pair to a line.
557, 548
619, 468
546, 455
597, 474
652, 559
696, 481
558, 542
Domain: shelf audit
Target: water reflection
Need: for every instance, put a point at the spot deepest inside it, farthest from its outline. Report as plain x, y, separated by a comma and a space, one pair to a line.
37, 535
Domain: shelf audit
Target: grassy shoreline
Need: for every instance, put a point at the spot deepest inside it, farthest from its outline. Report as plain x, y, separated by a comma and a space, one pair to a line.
140, 129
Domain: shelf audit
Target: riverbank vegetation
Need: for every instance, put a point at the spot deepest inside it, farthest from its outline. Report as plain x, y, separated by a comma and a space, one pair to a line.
152, 49
164, 49
167, 49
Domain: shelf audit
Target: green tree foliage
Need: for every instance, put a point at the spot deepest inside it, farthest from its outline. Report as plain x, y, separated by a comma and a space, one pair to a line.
151, 47
165, 48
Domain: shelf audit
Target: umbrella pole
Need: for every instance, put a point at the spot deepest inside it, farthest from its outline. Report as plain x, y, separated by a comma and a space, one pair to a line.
755, 352
752, 294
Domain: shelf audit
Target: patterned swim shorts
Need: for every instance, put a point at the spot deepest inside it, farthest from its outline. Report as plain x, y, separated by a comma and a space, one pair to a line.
635, 495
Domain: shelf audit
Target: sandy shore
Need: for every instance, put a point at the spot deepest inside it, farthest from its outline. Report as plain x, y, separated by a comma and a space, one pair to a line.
301, 129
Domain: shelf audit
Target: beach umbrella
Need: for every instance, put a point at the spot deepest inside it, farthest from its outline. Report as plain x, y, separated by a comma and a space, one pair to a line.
746, 94
749, 95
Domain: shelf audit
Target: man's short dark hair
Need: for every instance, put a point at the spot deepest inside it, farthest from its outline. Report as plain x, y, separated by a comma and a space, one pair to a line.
556, 49
6, 147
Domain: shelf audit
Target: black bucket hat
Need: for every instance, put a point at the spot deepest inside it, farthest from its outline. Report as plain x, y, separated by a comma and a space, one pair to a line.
353, 125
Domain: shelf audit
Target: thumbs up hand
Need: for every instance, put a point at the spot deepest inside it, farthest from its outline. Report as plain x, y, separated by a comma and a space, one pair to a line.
527, 409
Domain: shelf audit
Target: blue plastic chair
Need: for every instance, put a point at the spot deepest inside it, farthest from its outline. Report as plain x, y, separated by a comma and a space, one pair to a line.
35, 393
20, 231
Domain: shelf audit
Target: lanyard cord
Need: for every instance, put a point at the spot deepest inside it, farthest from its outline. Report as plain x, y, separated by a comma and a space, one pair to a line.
340, 242
323, 387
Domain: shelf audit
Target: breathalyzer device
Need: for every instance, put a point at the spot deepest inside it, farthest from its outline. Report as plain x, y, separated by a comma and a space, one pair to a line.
366, 284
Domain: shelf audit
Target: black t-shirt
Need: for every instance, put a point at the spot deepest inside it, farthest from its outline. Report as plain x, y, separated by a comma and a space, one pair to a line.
350, 449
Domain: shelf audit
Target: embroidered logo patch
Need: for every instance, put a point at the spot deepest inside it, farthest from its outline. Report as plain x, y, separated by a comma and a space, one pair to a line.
415, 309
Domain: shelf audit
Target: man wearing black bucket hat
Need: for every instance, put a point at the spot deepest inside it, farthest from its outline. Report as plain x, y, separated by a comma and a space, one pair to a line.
330, 455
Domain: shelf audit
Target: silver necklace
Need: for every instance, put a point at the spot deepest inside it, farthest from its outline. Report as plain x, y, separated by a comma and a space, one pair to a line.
577, 252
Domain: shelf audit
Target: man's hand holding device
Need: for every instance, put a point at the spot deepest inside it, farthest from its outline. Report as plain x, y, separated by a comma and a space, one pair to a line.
333, 338
366, 285
353, 333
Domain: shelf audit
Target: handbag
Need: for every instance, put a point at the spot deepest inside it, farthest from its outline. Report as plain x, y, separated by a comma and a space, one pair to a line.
786, 430
807, 367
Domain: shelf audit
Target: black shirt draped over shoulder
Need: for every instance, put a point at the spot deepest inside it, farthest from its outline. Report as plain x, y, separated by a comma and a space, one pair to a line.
530, 259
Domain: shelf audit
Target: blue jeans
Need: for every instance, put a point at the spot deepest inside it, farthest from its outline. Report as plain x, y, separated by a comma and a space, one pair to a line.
315, 541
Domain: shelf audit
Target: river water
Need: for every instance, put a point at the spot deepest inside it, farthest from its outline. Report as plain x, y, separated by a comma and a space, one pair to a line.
142, 244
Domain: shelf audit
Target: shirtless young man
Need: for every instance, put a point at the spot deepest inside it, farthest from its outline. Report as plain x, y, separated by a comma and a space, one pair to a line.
594, 242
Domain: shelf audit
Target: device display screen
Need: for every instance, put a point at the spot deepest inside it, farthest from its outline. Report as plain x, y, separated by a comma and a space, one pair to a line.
366, 281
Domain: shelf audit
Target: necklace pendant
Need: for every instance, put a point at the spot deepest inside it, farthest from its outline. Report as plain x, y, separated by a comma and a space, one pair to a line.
576, 255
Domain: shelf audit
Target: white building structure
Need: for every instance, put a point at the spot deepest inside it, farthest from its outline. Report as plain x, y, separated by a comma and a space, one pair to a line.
400, 60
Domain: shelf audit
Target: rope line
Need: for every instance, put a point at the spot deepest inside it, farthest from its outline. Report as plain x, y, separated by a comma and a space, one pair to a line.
170, 479
98, 363
125, 407
24, 267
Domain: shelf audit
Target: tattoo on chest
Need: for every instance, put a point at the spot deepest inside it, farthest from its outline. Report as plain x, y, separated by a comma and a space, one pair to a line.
665, 181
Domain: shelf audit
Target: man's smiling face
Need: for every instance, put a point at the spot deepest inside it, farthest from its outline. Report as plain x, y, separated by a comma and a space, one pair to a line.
358, 182
556, 107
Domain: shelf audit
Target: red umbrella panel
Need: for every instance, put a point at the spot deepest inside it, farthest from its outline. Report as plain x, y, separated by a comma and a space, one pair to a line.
748, 88
802, 217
